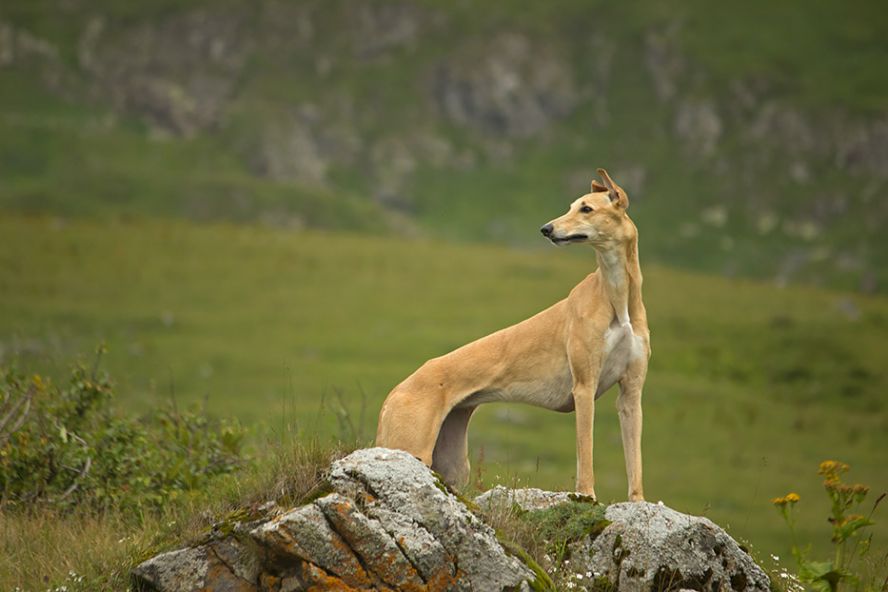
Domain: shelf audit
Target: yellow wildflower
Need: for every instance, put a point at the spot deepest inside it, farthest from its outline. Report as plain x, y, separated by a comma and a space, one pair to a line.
831, 469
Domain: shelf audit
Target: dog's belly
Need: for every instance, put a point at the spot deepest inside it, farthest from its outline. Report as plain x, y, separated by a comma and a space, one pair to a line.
621, 347
555, 392
552, 392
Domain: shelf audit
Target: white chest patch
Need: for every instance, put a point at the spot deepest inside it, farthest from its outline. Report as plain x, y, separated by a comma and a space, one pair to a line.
621, 347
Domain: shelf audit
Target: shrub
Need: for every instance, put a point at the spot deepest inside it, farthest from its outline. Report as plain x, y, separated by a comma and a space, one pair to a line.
851, 547
65, 445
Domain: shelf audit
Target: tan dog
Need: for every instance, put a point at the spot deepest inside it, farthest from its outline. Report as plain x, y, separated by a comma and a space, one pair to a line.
562, 359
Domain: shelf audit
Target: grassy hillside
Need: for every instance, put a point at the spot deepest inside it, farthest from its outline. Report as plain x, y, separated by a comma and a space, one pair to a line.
749, 387
751, 136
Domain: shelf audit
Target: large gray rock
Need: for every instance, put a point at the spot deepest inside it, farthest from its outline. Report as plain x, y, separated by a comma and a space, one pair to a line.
389, 483
390, 525
646, 547
653, 547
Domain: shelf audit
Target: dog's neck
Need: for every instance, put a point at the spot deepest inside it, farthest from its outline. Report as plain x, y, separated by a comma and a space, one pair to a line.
621, 275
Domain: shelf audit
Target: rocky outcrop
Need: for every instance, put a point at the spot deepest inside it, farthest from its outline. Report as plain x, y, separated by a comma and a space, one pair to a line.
389, 524
646, 547
652, 547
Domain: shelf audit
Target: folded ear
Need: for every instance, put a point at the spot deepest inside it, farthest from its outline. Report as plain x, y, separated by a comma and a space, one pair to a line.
597, 187
615, 192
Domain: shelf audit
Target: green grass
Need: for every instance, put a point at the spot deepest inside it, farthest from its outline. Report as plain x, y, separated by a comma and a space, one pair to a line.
750, 386
81, 551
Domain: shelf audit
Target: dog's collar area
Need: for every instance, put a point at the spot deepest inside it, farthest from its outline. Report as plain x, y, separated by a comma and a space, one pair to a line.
573, 238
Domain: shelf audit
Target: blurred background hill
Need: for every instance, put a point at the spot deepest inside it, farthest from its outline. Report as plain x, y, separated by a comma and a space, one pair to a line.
753, 137
278, 210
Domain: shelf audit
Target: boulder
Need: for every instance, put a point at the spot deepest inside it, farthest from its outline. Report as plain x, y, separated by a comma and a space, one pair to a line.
653, 547
646, 547
390, 524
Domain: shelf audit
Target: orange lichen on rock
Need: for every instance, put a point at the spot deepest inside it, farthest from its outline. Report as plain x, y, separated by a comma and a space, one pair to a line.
318, 580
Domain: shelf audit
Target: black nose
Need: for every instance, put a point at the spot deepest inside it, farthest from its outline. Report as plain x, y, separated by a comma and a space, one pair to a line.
546, 230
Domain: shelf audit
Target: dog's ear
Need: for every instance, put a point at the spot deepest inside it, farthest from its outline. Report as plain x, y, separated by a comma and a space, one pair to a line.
617, 196
597, 187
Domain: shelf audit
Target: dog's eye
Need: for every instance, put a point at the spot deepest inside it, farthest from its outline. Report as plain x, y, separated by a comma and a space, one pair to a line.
586, 209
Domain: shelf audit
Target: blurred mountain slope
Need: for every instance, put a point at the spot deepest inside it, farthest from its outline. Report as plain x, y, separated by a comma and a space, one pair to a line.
753, 137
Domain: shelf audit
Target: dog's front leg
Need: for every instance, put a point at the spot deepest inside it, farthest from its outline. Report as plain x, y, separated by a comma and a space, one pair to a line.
585, 365
584, 400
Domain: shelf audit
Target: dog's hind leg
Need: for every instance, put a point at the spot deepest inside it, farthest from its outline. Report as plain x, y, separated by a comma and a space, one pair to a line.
629, 411
451, 456
410, 423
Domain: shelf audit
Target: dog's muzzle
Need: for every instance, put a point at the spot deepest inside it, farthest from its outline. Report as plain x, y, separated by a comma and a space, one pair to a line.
549, 232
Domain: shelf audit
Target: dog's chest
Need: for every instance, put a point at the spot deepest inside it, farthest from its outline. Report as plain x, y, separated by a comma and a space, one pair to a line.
620, 348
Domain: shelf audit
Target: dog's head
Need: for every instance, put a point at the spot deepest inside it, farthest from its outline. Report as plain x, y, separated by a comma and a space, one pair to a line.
598, 218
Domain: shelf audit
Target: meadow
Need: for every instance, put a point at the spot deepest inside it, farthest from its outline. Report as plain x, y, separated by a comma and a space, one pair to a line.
304, 332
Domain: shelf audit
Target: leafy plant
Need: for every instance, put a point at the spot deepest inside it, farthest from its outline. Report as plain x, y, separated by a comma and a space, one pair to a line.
65, 445
847, 524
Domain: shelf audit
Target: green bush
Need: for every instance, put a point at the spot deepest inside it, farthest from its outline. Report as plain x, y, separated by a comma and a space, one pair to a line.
65, 446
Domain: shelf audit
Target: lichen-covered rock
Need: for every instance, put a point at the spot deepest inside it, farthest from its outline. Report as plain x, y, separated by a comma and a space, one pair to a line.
224, 565
652, 547
304, 536
390, 481
645, 547
390, 525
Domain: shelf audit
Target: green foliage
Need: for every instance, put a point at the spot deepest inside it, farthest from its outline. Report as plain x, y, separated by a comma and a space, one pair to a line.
83, 550
541, 537
64, 446
844, 500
